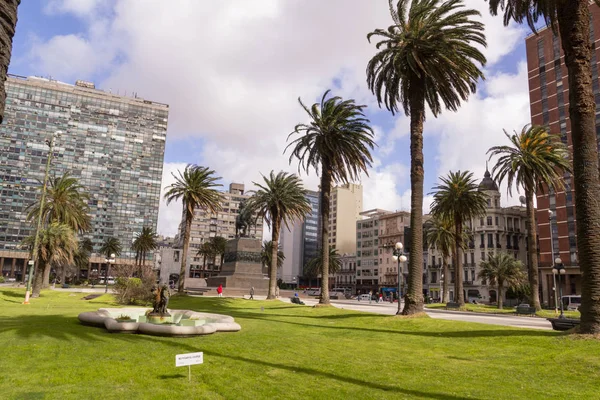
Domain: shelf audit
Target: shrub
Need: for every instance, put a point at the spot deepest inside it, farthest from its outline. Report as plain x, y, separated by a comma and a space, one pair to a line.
2, 279
130, 290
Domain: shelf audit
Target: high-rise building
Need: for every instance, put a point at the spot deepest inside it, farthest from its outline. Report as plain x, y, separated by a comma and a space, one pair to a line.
346, 204
368, 250
114, 145
549, 104
207, 225
301, 242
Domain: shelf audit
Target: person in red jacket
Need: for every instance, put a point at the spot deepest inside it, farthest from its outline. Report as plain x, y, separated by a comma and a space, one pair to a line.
220, 290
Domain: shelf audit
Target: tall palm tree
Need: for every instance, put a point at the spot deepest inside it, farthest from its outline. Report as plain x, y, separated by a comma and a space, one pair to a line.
109, 247
427, 55
440, 234
196, 188
57, 245
65, 203
339, 140
314, 266
535, 159
281, 199
81, 257
571, 19
218, 244
266, 255
502, 269
457, 199
8, 23
144, 242
206, 250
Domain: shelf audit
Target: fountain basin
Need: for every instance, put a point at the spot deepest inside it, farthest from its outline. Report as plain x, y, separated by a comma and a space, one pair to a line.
180, 322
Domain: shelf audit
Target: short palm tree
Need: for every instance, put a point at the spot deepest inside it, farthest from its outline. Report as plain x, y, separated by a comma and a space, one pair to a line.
144, 241
502, 269
429, 54
65, 203
206, 250
81, 258
109, 247
195, 187
280, 199
57, 246
266, 255
535, 159
314, 267
218, 244
571, 19
457, 199
440, 234
339, 140
8, 23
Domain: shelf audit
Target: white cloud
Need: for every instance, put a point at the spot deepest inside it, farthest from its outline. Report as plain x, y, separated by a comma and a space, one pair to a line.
169, 216
232, 71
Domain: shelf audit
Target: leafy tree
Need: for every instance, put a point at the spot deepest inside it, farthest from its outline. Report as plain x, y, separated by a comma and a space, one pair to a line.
266, 255
144, 242
57, 245
457, 199
428, 56
8, 23
502, 269
66, 203
195, 187
314, 267
339, 140
535, 159
280, 199
571, 20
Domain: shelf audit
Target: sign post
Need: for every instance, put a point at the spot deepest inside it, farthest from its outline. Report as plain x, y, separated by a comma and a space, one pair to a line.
189, 359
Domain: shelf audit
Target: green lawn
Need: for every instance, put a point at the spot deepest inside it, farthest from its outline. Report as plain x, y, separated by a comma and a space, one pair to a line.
483, 308
284, 352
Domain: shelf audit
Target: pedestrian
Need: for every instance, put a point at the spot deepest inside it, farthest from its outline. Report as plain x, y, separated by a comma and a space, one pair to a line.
252, 293
220, 291
370, 296
380, 298
276, 292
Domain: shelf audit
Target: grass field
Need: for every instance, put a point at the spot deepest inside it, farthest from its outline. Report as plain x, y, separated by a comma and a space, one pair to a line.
483, 308
284, 352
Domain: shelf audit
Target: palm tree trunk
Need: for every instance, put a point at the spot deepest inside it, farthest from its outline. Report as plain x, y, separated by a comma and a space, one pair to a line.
46, 282
186, 245
458, 269
445, 285
8, 23
574, 24
274, 249
38, 279
413, 299
500, 295
532, 267
325, 195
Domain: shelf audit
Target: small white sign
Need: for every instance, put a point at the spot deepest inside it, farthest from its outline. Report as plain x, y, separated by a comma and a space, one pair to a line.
182, 360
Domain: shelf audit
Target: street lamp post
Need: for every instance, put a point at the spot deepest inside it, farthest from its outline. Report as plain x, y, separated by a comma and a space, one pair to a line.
108, 261
36, 242
559, 269
398, 255
441, 288
550, 215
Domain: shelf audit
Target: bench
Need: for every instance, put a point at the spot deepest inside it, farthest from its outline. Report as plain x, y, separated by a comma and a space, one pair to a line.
563, 324
525, 310
296, 300
452, 306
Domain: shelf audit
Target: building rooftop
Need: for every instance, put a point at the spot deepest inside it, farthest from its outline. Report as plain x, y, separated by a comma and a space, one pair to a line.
487, 183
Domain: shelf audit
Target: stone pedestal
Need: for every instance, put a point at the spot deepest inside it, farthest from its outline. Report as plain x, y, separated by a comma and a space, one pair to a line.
242, 266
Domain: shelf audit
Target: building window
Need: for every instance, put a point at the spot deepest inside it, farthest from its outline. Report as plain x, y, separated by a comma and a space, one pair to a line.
481, 222
473, 258
490, 240
497, 221
482, 240
489, 202
483, 255
489, 221
496, 203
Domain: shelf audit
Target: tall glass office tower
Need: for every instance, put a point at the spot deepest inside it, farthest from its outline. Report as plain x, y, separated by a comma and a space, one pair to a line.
113, 144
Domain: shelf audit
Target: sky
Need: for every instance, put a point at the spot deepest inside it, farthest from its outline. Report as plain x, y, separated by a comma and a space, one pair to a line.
232, 72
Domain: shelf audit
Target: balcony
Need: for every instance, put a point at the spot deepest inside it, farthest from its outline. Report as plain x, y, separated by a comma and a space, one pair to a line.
468, 283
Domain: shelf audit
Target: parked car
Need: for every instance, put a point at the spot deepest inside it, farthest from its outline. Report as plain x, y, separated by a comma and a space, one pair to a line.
364, 297
571, 303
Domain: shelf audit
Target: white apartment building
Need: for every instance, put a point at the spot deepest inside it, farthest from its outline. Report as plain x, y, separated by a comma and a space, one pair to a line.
346, 204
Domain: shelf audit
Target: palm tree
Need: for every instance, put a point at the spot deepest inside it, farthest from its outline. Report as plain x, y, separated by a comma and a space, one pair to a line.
534, 160
144, 242
571, 19
502, 269
339, 140
206, 250
81, 257
196, 188
281, 199
440, 234
8, 23
65, 203
109, 247
427, 55
57, 245
266, 255
218, 244
314, 267
457, 200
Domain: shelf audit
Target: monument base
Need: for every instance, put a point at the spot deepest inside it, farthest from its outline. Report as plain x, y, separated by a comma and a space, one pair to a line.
242, 267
